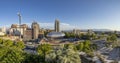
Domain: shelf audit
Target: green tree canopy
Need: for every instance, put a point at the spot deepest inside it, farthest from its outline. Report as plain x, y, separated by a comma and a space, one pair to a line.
19, 45
63, 56
80, 46
32, 58
10, 55
7, 43
43, 50
70, 46
1, 40
112, 38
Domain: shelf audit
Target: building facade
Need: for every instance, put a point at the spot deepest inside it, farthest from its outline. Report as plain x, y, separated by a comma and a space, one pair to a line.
2, 31
18, 30
57, 26
56, 33
27, 34
35, 30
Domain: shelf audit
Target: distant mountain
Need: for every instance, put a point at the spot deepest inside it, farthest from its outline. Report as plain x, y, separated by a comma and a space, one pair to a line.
92, 30
102, 30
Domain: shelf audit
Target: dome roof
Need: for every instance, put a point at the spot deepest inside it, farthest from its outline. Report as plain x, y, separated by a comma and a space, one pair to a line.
55, 34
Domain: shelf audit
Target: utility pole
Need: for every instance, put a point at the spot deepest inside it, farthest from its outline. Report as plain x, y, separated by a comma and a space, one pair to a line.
19, 15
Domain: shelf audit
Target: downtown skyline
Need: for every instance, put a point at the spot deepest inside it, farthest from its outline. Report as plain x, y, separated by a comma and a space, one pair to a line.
97, 14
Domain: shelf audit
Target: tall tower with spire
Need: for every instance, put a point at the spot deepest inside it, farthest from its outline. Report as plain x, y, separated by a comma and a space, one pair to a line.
57, 25
19, 15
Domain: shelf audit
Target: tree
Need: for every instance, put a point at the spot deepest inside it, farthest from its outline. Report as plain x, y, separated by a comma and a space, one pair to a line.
70, 35
86, 36
65, 55
113, 39
10, 55
80, 46
52, 57
32, 58
87, 43
43, 50
1, 40
86, 47
7, 43
19, 45
108, 39
93, 46
93, 36
68, 56
11, 52
70, 46
67, 35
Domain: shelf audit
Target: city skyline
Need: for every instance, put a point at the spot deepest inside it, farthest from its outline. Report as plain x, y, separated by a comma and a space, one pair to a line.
87, 14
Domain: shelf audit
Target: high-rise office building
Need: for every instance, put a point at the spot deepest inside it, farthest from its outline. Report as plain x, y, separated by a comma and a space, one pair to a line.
56, 33
35, 30
57, 25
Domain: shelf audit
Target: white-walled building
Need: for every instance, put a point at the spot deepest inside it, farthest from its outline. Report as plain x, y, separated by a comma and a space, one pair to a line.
17, 30
2, 33
3, 29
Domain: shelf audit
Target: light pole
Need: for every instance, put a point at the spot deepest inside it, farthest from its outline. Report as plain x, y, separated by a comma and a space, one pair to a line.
19, 15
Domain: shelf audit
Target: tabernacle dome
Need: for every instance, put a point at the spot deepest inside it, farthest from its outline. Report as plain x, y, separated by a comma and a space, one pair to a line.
55, 34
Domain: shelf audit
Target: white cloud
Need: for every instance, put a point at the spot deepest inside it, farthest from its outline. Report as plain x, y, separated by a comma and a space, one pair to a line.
63, 26
47, 25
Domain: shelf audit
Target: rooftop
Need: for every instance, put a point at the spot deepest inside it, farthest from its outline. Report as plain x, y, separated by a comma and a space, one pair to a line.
55, 34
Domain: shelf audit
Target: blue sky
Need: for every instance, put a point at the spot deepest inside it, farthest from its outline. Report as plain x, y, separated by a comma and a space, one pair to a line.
83, 14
